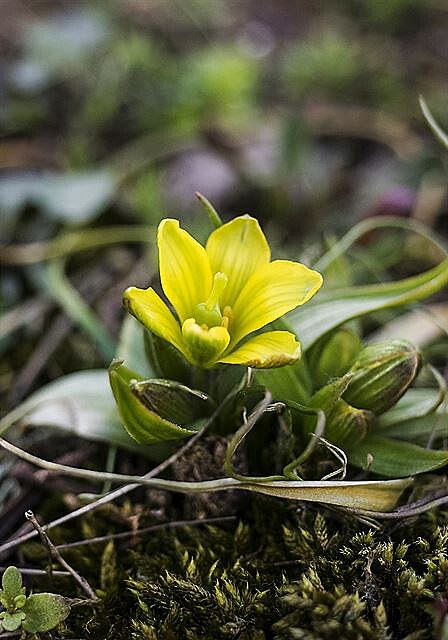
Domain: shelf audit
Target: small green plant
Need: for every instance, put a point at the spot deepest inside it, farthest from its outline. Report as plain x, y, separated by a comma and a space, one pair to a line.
35, 613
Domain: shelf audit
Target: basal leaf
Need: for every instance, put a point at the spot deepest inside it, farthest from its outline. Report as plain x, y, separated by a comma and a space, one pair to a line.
44, 611
415, 403
374, 495
395, 458
331, 308
421, 429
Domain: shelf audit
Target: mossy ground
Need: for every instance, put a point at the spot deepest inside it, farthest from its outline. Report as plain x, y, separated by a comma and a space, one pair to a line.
280, 570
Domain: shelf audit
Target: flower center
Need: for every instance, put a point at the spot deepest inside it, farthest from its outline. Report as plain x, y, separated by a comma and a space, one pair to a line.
209, 313
206, 334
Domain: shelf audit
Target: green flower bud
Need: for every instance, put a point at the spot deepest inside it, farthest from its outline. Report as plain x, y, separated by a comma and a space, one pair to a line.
382, 373
326, 399
156, 410
333, 355
346, 426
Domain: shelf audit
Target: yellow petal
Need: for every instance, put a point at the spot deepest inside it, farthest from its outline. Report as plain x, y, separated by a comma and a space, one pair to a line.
273, 290
152, 312
266, 351
185, 270
237, 249
205, 345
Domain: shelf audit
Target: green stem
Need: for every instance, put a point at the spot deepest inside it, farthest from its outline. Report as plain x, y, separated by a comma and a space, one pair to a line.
290, 471
262, 407
368, 495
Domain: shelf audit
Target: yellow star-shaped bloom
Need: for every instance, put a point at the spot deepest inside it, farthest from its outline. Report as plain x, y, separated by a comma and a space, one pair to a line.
223, 293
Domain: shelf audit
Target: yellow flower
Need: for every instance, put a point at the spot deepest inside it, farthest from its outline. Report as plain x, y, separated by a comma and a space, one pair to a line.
221, 294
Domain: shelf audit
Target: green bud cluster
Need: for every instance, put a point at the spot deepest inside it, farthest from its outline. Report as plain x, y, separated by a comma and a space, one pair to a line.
377, 379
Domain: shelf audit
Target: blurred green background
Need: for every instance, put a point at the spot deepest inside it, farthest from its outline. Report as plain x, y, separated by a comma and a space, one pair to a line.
113, 113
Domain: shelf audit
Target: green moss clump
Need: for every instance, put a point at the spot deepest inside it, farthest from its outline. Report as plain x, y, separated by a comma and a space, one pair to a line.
282, 573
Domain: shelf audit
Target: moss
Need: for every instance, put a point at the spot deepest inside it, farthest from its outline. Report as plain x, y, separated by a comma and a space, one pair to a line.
281, 573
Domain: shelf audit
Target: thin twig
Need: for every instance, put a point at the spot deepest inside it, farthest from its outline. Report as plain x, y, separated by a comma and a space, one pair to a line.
109, 497
117, 493
138, 532
53, 551
37, 572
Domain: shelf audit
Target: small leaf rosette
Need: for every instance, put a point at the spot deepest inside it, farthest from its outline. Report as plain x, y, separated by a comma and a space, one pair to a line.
221, 294
36, 613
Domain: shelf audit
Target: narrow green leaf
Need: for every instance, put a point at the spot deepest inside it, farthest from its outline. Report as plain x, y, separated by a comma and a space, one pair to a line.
379, 495
331, 308
436, 129
394, 458
55, 283
419, 429
415, 403
287, 383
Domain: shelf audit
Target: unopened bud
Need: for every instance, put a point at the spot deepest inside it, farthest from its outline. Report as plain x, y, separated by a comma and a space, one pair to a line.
382, 373
346, 426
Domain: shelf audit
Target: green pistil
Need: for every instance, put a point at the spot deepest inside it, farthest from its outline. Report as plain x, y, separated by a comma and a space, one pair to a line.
209, 313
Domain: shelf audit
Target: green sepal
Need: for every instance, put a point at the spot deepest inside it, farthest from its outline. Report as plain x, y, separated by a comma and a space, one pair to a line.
165, 360
44, 611
291, 382
382, 374
135, 402
395, 458
333, 355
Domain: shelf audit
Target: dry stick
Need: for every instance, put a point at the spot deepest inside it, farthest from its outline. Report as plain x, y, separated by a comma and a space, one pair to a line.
85, 586
117, 493
37, 572
137, 532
